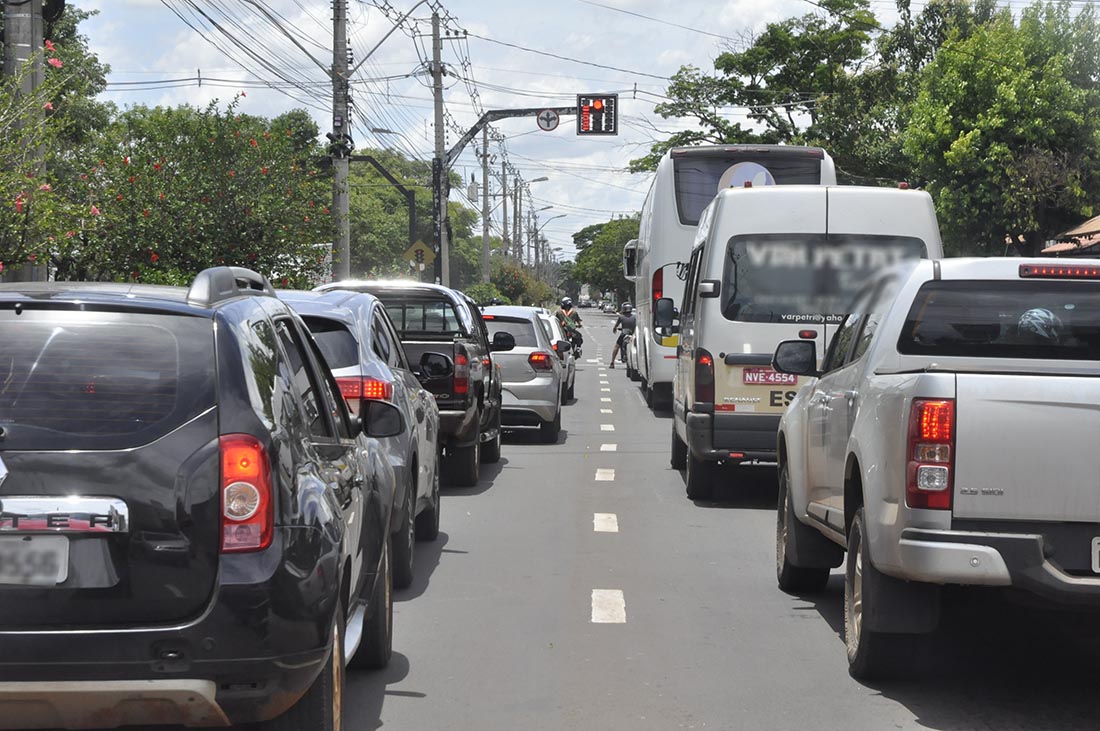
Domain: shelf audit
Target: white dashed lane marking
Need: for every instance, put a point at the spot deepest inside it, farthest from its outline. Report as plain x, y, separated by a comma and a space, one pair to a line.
608, 606
609, 447
606, 411
605, 523
607, 427
605, 390
605, 475
605, 399
593, 360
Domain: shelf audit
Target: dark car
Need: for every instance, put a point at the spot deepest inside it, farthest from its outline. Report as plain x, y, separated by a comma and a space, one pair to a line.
366, 357
433, 320
192, 527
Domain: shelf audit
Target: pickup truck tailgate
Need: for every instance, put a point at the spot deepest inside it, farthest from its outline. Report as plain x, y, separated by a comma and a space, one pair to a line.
1027, 448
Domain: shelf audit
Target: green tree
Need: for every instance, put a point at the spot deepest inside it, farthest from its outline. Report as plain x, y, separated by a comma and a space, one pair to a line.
601, 263
1004, 131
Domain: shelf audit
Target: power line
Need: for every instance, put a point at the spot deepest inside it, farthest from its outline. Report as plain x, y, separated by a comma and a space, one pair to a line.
662, 22
567, 58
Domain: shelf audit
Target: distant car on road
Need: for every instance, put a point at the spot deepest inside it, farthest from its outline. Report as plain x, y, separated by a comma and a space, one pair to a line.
362, 348
533, 375
948, 437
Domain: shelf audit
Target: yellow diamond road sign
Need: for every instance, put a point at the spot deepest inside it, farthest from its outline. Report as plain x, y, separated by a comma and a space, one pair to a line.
419, 253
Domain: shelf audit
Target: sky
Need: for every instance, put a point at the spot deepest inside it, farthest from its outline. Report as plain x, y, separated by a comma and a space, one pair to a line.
605, 45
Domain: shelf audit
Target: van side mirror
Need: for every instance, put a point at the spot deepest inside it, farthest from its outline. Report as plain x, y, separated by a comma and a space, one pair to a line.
630, 260
798, 357
502, 341
381, 419
664, 313
435, 365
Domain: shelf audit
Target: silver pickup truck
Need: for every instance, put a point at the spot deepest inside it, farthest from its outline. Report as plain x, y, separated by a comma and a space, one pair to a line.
952, 436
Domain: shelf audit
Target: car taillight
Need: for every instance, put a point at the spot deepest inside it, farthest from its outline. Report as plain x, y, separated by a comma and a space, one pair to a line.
658, 284
247, 501
931, 447
1072, 271
704, 376
355, 388
540, 361
462, 373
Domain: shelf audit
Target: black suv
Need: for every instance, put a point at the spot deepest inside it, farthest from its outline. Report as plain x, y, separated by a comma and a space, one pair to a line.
192, 529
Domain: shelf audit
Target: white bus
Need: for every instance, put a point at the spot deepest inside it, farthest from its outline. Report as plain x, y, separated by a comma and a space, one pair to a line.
686, 182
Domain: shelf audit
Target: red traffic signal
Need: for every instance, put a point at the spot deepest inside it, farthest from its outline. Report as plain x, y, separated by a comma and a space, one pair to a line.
597, 114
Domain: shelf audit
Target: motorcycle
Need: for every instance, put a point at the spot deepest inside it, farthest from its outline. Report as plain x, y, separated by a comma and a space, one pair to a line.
575, 339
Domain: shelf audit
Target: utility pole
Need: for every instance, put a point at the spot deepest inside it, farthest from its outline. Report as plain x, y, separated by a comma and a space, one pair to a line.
340, 138
504, 202
439, 169
521, 255
485, 204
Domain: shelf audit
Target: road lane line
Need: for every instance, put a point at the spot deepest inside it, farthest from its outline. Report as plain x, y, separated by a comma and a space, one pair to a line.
606, 411
605, 523
605, 399
605, 475
593, 360
608, 606
605, 390
607, 427
609, 447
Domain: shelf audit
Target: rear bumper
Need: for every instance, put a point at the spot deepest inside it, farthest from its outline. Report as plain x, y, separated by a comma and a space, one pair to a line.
712, 437
992, 559
538, 398
251, 655
458, 428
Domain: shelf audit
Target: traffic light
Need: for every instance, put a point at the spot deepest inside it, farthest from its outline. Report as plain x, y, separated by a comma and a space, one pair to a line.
597, 114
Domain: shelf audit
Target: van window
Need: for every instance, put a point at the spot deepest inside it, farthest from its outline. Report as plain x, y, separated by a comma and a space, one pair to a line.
101, 380
1049, 320
698, 177
805, 277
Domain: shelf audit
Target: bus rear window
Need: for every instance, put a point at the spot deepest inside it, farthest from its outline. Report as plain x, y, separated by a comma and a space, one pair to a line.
699, 178
1046, 320
805, 277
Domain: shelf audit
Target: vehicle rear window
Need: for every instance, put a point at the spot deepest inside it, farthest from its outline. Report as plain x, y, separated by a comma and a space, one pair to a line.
334, 339
699, 178
522, 330
423, 317
1047, 320
810, 278
101, 380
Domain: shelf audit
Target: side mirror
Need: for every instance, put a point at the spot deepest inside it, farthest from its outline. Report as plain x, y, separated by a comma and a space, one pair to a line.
664, 313
563, 347
798, 357
630, 260
381, 419
435, 365
502, 341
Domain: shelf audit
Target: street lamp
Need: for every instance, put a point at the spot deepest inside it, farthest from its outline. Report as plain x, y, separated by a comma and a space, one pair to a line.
543, 179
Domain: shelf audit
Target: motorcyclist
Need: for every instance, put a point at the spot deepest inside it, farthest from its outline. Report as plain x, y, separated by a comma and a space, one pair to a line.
625, 324
570, 322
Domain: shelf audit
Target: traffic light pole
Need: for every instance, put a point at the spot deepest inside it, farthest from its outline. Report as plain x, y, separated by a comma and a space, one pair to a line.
410, 196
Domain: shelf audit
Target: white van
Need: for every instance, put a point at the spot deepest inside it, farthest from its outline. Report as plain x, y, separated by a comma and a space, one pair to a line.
686, 181
773, 264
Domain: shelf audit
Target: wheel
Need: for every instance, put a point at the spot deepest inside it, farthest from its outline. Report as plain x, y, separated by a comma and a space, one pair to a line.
464, 465
679, 450
792, 579
871, 654
377, 644
320, 709
404, 540
564, 396
569, 394
490, 451
548, 430
427, 523
699, 478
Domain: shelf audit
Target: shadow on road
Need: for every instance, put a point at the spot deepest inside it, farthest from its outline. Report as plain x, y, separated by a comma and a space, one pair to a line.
365, 692
532, 438
425, 561
752, 487
487, 477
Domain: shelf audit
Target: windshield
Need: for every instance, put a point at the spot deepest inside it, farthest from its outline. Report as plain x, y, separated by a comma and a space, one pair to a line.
805, 277
699, 178
1049, 320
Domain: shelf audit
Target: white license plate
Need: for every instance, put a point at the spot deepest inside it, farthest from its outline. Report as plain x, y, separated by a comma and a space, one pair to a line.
34, 560
767, 377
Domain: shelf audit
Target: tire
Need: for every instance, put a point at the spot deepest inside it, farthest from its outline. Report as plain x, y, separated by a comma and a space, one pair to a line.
793, 579
427, 523
376, 647
699, 478
320, 708
570, 393
490, 451
404, 541
871, 655
679, 450
648, 394
548, 430
564, 399
464, 465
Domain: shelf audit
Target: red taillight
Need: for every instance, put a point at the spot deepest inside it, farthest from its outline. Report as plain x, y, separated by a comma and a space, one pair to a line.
247, 500
540, 361
355, 388
930, 472
1059, 272
704, 377
462, 373
350, 388
377, 390
658, 284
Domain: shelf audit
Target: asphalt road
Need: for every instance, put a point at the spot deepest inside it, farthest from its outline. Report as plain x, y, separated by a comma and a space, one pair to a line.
497, 631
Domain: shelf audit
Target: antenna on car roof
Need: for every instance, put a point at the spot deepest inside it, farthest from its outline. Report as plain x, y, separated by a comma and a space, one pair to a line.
221, 283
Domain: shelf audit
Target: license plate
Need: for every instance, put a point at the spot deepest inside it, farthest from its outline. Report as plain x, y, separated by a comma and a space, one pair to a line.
34, 560
767, 377
1096, 555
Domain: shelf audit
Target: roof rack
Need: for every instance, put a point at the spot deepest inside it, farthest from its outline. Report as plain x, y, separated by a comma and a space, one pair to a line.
221, 283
